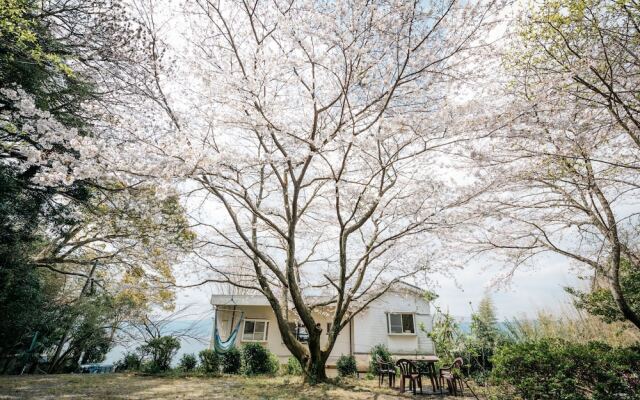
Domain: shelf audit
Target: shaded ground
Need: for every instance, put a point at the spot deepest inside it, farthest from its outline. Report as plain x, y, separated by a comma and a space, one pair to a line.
124, 386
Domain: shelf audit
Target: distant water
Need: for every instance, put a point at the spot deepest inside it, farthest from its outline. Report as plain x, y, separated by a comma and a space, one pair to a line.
199, 337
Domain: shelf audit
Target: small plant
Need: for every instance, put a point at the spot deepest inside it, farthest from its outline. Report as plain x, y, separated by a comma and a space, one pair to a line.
209, 361
378, 351
129, 362
188, 362
231, 361
256, 359
161, 351
346, 365
274, 363
293, 366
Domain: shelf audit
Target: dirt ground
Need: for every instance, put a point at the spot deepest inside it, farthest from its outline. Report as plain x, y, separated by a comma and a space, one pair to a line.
125, 386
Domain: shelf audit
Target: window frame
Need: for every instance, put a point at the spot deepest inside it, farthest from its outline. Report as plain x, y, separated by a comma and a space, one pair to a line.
401, 313
254, 320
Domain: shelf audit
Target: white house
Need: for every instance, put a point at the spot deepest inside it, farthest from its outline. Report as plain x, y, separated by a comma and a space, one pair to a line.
394, 319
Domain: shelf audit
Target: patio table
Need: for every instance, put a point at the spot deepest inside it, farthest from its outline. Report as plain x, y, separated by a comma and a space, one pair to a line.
430, 361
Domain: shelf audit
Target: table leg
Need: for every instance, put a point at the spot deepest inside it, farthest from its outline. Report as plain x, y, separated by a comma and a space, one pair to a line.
435, 376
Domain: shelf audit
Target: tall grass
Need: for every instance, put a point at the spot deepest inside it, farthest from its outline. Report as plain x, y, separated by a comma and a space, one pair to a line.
572, 325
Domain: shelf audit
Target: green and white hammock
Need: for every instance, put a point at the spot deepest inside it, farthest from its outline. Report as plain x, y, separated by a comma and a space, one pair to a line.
222, 346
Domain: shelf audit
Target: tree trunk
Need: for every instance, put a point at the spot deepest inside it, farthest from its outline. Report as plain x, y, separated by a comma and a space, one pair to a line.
55, 360
315, 365
620, 300
315, 371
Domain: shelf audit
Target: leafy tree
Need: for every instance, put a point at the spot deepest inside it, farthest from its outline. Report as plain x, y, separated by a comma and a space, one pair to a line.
484, 339
599, 300
446, 335
484, 323
61, 64
160, 352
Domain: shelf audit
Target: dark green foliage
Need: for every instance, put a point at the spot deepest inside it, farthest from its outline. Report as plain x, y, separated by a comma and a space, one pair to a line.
556, 369
129, 362
382, 352
257, 359
160, 351
346, 365
188, 362
484, 339
600, 301
32, 58
293, 366
209, 361
231, 361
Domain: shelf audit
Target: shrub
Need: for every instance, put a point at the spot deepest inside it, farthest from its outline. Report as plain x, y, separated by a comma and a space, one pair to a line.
274, 363
209, 361
383, 352
161, 350
231, 361
256, 359
188, 362
150, 367
293, 366
129, 362
346, 365
557, 369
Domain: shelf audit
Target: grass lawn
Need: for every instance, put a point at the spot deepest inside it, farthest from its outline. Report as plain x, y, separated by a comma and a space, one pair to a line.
125, 386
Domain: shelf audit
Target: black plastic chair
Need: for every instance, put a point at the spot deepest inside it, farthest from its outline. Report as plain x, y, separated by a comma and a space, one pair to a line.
385, 369
409, 371
451, 375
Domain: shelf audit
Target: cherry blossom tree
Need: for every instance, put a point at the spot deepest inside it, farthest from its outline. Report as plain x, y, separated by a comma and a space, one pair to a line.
563, 157
315, 137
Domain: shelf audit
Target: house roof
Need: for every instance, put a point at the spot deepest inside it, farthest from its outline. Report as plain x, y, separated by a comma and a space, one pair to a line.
261, 300
239, 300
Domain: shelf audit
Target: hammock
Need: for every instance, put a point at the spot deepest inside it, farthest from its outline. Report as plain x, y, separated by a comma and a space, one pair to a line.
222, 346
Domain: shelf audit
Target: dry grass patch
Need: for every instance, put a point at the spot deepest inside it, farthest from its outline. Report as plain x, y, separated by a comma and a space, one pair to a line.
125, 386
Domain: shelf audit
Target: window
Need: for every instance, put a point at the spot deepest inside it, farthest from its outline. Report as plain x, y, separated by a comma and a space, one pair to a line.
401, 323
254, 330
299, 331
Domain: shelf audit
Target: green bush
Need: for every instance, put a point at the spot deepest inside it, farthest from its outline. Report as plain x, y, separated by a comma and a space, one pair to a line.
188, 362
256, 359
557, 369
161, 351
231, 361
209, 361
274, 363
293, 366
383, 352
129, 362
346, 365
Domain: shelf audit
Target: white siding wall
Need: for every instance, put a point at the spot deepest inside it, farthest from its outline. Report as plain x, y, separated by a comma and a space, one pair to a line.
370, 327
274, 339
